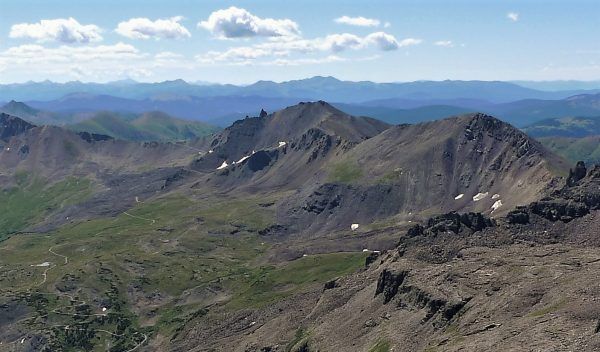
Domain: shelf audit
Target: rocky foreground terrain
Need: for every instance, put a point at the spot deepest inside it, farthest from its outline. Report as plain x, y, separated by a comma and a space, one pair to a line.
303, 230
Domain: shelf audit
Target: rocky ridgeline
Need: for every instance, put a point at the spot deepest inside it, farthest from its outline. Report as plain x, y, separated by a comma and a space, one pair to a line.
577, 198
452, 222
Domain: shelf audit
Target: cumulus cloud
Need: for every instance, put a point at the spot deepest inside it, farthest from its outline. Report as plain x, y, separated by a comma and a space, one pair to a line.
65, 30
387, 42
284, 49
444, 43
239, 23
513, 16
358, 21
144, 28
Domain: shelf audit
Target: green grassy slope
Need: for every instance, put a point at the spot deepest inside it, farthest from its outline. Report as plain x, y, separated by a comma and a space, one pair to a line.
150, 126
157, 267
575, 149
31, 198
565, 127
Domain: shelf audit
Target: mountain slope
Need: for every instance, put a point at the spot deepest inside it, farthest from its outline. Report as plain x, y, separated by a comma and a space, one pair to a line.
456, 282
149, 126
565, 127
11, 126
464, 163
575, 149
32, 115
170, 248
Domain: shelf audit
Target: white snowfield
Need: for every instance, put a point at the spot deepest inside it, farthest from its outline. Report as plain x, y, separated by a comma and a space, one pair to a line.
479, 196
496, 205
459, 196
354, 226
224, 165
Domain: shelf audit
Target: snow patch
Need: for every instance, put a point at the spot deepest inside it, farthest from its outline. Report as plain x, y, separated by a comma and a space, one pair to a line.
104, 309
281, 144
354, 226
365, 250
459, 196
210, 151
496, 205
224, 165
43, 264
479, 196
244, 158
496, 196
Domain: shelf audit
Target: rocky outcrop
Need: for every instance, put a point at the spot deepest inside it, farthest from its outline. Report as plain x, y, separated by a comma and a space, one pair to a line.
451, 222
93, 137
518, 216
11, 126
388, 284
577, 198
576, 174
559, 209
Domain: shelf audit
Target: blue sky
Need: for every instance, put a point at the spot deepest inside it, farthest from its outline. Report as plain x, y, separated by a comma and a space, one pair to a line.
245, 41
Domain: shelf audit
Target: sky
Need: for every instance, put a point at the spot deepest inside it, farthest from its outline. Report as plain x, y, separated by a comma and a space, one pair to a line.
241, 42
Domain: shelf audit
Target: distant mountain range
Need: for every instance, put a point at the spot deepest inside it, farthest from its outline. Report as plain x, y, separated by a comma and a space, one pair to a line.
315, 88
223, 110
221, 104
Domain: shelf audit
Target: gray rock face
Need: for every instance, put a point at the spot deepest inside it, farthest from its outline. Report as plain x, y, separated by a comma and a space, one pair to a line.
388, 284
94, 137
451, 222
577, 174
11, 126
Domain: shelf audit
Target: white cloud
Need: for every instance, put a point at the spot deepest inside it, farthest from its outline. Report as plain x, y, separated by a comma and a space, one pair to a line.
238, 54
409, 42
284, 49
513, 16
306, 61
65, 30
358, 21
95, 62
340, 42
168, 55
33, 53
144, 28
386, 42
444, 43
238, 23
